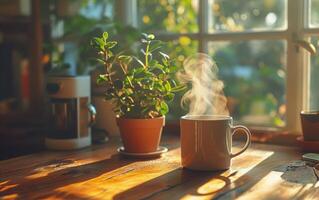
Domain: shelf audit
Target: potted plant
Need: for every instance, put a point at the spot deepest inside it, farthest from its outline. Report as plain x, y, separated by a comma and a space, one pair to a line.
139, 89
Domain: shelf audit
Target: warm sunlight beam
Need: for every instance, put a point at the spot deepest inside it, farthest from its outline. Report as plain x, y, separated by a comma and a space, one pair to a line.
211, 186
3, 182
272, 186
6, 187
99, 186
56, 166
10, 196
214, 185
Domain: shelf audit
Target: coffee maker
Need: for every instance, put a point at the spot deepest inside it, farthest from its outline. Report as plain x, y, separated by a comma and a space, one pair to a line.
71, 113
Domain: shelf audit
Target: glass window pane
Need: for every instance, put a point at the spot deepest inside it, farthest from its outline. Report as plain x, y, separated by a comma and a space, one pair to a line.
254, 76
73, 24
314, 14
247, 15
314, 81
176, 16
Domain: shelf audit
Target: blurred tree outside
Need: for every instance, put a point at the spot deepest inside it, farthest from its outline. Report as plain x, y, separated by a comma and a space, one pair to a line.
314, 74
314, 60
254, 71
247, 15
74, 23
162, 16
314, 14
254, 79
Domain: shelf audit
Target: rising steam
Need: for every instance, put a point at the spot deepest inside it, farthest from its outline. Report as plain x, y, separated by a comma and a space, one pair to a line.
206, 97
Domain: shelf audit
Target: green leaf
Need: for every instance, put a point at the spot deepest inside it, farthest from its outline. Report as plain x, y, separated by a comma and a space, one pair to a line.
157, 70
125, 59
165, 61
144, 35
128, 91
100, 60
158, 66
172, 82
101, 78
164, 108
139, 61
156, 44
145, 110
146, 81
158, 106
167, 86
169, 97
173, 69
178, 88
144, 41
153, 63
164, 55
105, 36
159, 87
143, 52
130, 99
110, 54
99, 41
138, 70
151, 36
111, 44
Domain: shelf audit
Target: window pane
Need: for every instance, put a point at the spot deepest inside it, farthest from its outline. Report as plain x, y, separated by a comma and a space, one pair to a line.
254, 76
314, 81
179, 50
246, 15
177, 16
73, 24
314, 14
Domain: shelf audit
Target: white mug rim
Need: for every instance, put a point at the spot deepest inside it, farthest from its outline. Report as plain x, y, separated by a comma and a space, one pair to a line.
206, 117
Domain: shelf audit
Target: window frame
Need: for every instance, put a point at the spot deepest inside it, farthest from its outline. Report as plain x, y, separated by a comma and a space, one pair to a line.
307, 33
297, 63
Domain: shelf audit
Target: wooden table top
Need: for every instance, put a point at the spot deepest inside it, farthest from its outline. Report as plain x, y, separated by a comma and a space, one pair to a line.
99, 172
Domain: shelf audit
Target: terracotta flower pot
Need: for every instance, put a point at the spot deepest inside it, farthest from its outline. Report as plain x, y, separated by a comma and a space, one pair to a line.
141, 135
310, 125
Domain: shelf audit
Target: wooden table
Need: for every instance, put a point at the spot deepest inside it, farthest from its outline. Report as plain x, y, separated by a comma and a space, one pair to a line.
99, 172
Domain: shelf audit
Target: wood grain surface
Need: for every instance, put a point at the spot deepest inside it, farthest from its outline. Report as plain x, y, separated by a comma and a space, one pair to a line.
99, 172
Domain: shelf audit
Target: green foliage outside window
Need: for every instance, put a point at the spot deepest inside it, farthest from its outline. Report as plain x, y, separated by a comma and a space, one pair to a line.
168, 15
253, 71
262, 90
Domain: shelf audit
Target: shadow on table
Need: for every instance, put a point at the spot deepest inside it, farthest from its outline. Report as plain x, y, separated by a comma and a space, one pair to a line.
42, 187
181, 183
61, 173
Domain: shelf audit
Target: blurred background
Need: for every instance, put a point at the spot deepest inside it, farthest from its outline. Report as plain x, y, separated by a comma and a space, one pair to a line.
39, 38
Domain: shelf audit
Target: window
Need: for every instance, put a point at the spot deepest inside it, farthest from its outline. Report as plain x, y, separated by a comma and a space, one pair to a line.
311, 33
245, 39
73, 23
268, 76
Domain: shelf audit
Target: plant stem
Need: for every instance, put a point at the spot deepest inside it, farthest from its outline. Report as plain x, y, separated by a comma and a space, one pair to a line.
146, 53
124, 71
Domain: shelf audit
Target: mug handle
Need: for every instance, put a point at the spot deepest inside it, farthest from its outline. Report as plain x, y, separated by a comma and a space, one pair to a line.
248, 134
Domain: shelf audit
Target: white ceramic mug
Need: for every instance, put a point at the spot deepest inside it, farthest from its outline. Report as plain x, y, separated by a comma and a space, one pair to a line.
206, 141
